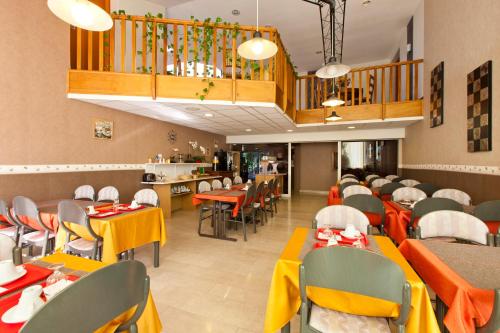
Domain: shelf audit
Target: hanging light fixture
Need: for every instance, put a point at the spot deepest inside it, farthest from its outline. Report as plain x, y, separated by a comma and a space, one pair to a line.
257, 48
333, 68
333, 100
82, 14
333, 117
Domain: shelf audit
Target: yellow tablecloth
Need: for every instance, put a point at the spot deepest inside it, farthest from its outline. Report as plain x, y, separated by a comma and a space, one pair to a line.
149, 321
123, 232
284, 294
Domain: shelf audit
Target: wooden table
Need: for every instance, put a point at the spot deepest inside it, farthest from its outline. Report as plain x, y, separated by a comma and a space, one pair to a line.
219, 197
284, 296
463, 276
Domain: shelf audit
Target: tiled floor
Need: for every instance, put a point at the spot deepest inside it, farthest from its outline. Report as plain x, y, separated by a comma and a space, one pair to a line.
207, 285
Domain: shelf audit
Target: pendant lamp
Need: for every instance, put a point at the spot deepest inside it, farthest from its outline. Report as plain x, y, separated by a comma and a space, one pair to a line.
82, 14
257, 48
333, 117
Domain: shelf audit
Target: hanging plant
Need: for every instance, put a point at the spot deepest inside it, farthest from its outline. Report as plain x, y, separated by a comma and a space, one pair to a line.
201, 35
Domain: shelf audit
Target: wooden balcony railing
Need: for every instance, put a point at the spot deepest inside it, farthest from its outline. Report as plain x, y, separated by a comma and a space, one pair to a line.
382, 84
185, 48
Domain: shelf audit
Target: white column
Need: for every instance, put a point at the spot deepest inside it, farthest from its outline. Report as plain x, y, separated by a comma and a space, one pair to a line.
400, 155
289, 192
339, 160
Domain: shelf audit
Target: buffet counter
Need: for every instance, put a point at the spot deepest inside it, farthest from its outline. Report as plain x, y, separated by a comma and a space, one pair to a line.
261, 177
177, 194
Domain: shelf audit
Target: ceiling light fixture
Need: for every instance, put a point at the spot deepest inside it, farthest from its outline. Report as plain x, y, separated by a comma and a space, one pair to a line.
235, 12
248, 130
209, 115
366, 2
351, 127
289, 130
334, 68
257, 48
82, 14
333, 117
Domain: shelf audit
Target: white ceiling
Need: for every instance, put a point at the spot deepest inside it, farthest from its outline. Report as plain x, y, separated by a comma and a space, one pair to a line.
230, 120
371, 32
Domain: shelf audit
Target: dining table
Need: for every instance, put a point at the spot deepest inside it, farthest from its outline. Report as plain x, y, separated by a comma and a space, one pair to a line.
234, 196
74, 268
284, 294
465, 278
124, 231
391, 221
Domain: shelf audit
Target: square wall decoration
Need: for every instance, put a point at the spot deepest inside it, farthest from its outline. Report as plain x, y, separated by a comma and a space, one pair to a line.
479, 108
437, 94
103, 129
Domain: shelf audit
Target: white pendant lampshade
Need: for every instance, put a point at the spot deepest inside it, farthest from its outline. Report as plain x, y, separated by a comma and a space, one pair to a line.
82, 14
257, 48
332, 70
333, 117
333, 101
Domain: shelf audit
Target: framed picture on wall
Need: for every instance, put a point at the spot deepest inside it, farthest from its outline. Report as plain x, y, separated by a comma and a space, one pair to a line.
102, 129
437, 95
479, 83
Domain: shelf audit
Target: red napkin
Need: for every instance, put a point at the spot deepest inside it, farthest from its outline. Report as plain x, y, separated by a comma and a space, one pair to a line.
34, 274
7, 303
100, 213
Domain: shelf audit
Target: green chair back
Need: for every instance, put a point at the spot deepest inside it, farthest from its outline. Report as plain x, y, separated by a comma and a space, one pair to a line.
389, 188
428, 188
355, 271
429, 205
94, 300
367, 204
488, 211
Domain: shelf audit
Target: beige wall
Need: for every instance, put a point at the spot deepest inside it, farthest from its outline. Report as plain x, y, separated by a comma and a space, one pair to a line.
40, 125
313, 166
463, 34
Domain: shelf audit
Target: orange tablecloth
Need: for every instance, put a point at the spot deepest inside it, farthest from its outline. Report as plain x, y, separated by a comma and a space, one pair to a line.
333, 194
493, 226
230, 196
284, 295
396, 221
467, 304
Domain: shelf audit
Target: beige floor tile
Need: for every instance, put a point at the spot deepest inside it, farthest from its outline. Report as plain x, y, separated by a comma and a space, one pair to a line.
208, 285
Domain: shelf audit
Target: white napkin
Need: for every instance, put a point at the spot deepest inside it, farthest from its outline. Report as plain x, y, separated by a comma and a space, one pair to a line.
56, 288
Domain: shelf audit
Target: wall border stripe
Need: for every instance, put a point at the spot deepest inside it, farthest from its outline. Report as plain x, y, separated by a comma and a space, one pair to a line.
477, 169
63, 168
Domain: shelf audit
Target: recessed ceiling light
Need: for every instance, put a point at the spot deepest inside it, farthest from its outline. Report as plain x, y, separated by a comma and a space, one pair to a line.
289, 130
248, 130
192, 108
209, 115
366, 2
351, 127
235, 12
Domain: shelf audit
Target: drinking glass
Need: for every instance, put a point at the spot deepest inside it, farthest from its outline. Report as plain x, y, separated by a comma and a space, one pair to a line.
56, 275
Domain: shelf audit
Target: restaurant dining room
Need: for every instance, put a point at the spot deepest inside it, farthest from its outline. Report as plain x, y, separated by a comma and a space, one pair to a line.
249, 166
